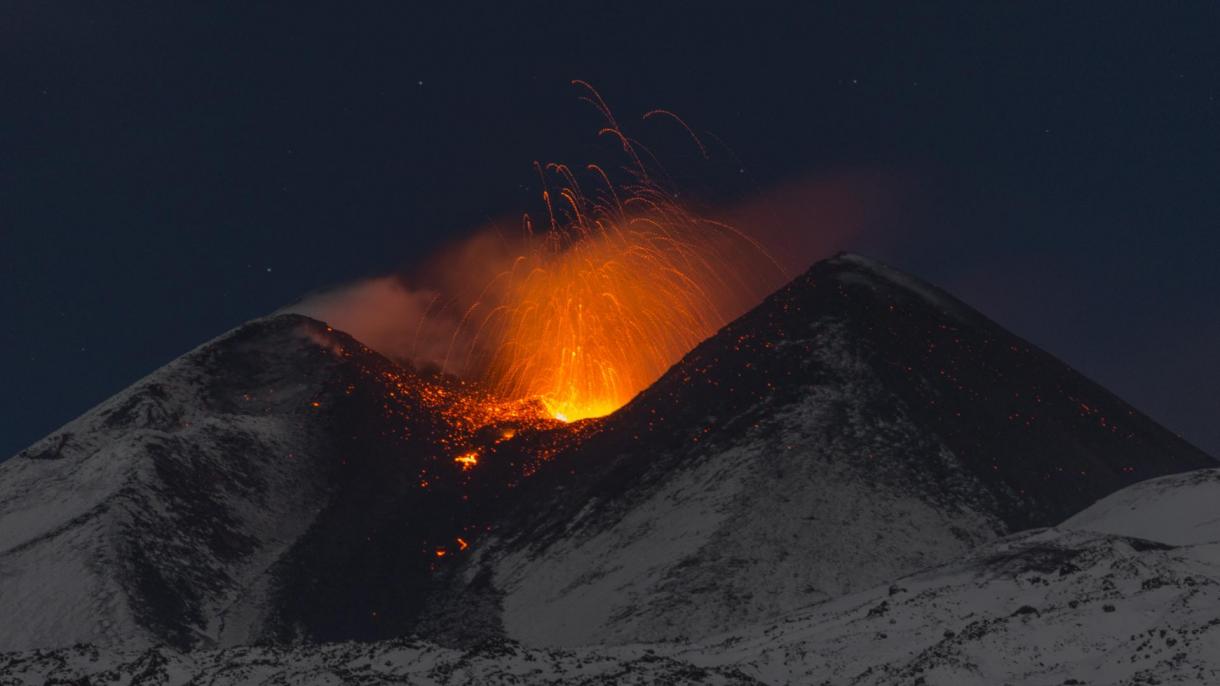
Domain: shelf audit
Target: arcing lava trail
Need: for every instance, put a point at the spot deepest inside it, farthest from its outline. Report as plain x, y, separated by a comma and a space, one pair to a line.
284, 482
617, 283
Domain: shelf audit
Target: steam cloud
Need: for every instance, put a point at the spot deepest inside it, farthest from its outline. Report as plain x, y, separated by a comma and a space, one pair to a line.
416, 317
386, 315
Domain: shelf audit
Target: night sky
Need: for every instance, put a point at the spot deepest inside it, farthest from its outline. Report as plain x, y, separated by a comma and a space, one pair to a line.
170, 170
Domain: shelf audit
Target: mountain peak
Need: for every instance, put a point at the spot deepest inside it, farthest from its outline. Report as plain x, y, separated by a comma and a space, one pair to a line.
855, 268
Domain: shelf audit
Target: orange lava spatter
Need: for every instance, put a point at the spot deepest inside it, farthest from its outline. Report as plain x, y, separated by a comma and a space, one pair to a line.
618, 285
621, 284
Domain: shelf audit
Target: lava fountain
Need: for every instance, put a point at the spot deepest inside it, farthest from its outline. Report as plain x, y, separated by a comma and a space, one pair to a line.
619, 284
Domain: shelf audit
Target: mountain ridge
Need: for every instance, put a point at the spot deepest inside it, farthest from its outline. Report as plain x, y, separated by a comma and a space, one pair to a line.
1103, 598
285, 483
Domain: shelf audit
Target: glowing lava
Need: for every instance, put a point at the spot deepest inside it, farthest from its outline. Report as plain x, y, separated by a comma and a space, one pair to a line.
467, 460
622, 283
588, 325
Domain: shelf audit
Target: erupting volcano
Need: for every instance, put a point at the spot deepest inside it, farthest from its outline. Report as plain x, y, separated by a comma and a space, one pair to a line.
623, 281
507, 387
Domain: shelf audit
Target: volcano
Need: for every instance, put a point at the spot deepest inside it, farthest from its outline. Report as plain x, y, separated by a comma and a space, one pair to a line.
857, 426
285, 486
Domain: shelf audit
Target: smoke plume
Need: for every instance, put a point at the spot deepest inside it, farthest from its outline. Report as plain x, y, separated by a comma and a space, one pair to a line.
419, 316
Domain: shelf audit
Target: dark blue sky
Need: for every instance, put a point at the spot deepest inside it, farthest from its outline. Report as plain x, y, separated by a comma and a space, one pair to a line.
169, 170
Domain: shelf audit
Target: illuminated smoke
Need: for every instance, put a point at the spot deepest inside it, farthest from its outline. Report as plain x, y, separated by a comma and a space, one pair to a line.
387, 315
590, 305
617, 285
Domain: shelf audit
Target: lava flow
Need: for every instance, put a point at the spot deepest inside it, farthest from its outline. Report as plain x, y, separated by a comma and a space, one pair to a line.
622, 282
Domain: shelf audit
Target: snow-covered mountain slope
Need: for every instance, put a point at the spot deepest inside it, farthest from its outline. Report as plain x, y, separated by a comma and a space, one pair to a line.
1043, 607
857, 426
1180, 509
183, 509
1125, 592
387, 662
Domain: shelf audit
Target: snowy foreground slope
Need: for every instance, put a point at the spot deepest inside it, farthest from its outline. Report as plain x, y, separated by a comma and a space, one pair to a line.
1139, 604
1053, 606
145, 497
386, 662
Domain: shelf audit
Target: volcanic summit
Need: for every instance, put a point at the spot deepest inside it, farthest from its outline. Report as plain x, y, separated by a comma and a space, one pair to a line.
857, 435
